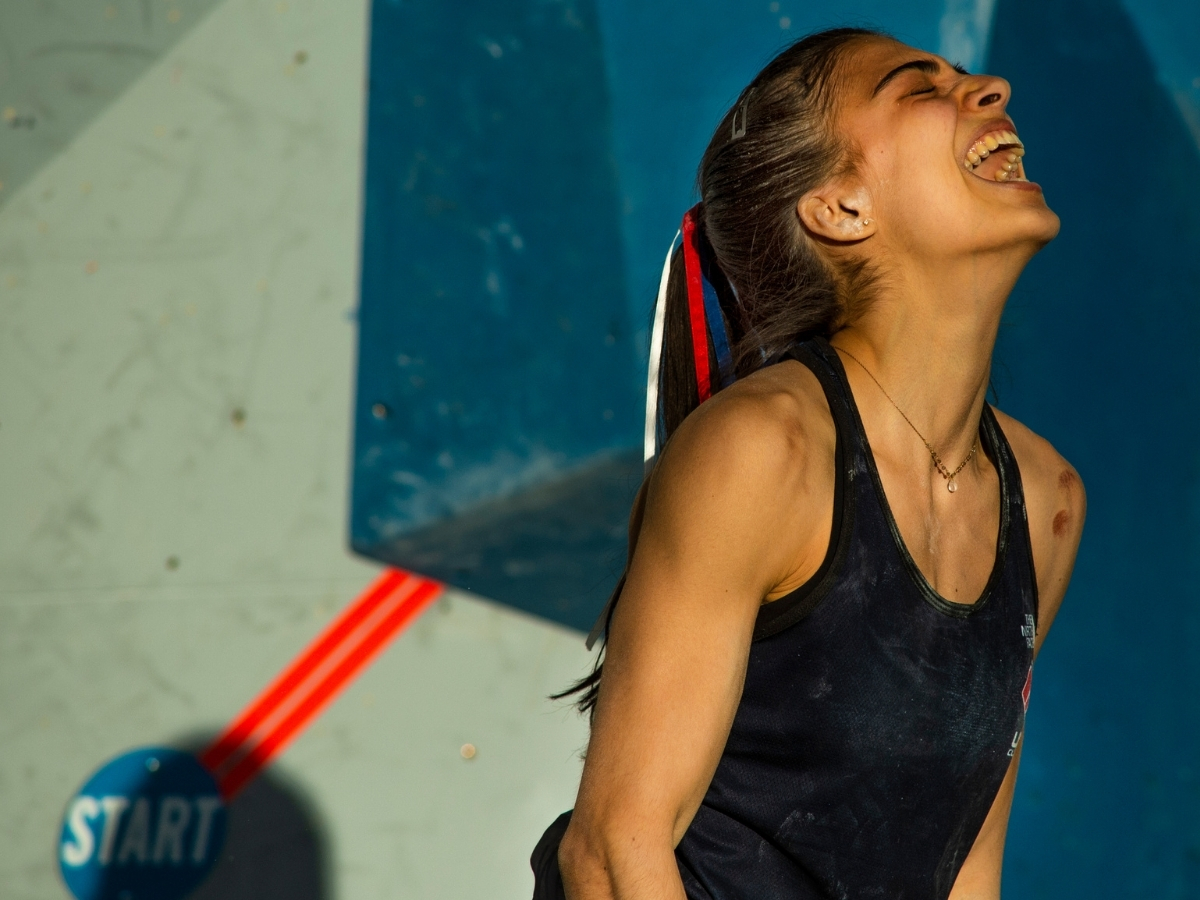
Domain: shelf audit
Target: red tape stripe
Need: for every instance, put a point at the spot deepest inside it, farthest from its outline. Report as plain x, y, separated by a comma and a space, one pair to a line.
295, 698
695, 295
226, 746
325, 691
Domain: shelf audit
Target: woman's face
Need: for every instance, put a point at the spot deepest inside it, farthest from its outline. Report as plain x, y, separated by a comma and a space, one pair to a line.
943, 172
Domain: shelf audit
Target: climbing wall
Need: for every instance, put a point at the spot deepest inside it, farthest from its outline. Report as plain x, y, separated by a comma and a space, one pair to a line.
293, 289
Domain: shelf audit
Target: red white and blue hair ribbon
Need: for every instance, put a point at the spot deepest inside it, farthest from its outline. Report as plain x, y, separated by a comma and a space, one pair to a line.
704, 310
705, 320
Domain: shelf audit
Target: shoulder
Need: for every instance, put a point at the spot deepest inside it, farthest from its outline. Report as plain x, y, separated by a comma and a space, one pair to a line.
766, 430
1053, 489
750, 468
1055, 504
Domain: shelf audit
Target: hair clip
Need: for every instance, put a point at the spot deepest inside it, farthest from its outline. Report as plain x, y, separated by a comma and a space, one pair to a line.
739, 128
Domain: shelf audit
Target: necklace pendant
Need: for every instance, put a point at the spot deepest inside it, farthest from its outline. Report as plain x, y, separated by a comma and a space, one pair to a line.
952, 485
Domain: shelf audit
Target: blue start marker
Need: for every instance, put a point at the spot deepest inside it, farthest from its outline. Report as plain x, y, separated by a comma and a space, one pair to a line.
149, 825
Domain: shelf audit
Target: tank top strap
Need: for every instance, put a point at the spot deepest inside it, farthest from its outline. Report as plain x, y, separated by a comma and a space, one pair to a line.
816, 355
1002, 457
819, 357
1014, 493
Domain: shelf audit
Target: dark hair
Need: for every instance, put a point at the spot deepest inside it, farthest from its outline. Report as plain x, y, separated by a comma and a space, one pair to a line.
774, 284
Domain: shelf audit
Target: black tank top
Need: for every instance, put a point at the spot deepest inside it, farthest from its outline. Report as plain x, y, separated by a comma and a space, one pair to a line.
877, 719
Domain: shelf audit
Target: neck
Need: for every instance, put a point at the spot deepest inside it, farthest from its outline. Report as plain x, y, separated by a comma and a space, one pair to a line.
928, 339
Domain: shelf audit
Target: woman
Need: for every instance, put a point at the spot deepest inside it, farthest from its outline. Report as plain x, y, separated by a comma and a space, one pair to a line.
843, 565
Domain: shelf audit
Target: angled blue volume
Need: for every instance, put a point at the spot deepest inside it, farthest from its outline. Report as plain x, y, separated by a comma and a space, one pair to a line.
497, 380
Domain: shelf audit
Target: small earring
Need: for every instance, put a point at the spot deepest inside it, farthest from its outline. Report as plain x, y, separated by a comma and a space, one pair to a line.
866, 222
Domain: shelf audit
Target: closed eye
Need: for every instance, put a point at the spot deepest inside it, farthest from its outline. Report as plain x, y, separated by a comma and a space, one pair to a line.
957, 67
930, 67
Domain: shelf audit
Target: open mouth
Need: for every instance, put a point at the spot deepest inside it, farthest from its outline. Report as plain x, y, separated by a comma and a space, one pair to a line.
997, 157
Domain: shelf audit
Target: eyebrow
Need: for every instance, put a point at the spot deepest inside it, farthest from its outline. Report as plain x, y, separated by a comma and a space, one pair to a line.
928, 66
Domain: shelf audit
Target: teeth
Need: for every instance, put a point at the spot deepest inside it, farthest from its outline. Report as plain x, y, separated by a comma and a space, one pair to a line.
984, 147
1002, 175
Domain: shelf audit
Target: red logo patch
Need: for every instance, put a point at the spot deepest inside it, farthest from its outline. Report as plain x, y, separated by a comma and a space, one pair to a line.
1028, 687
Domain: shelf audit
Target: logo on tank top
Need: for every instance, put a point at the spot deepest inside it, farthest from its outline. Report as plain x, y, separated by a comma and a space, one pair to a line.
1025, 708
1029, 631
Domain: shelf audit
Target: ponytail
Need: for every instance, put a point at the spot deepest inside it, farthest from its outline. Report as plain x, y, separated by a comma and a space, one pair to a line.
696, 323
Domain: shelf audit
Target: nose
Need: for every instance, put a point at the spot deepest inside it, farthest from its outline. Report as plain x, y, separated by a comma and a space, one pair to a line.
987, 92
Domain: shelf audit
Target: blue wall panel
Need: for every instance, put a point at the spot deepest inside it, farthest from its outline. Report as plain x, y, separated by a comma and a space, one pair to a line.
495, 348
1099, 354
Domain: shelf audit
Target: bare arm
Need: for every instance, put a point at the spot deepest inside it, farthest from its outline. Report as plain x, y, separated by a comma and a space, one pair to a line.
728, 519
1056, 505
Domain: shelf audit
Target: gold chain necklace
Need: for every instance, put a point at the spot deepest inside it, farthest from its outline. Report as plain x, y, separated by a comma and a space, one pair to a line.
951, 484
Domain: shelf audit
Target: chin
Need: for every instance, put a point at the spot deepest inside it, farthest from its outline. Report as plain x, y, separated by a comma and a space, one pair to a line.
1045, 226
1028, 225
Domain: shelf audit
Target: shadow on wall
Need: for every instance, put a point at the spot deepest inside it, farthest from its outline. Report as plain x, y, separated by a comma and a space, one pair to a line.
276, 847
61, 64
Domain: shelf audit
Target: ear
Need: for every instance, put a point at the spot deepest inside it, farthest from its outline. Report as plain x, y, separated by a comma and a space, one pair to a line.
838, 212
